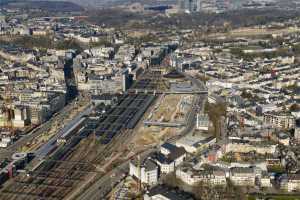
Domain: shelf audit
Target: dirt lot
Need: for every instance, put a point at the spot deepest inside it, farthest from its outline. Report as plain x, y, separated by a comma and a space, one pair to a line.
165, 109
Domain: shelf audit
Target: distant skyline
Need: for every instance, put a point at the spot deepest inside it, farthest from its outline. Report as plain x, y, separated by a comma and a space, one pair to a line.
101, 3
104, 3
109, 3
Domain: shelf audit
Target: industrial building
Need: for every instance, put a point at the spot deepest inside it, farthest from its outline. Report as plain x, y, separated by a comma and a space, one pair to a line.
195, 142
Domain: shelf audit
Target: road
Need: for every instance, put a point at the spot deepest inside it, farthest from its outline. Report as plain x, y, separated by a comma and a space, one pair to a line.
104, 185
197, 106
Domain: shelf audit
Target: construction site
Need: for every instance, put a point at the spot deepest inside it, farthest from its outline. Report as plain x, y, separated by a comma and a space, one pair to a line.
163, 121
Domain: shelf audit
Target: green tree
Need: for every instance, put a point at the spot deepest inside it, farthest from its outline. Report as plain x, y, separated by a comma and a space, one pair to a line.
246, 95
295, 107
172, 181
69, 44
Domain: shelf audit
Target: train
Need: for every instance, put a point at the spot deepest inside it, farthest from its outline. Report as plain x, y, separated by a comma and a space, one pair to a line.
77, 127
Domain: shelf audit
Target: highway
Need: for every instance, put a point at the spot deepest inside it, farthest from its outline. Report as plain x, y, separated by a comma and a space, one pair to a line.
103, 185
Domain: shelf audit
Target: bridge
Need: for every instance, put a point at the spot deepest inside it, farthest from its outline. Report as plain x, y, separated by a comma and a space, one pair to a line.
164, 124
158, 92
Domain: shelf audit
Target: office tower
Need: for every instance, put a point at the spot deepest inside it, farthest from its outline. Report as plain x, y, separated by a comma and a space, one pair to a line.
190, 5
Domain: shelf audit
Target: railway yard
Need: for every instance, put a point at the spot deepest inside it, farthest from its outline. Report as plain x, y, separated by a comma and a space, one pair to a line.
132, 100
87, 152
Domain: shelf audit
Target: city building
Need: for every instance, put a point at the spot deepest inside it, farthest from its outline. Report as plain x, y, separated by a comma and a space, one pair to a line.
265, 180
147, 171
202, 122
290, 182
297, 130
194, 142
166, 193
192, 176
190, 5
280, 120
169, 157
242, 176
127, 80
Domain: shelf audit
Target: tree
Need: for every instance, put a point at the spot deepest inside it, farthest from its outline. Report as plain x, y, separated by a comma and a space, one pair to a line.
69, 44
234, 192
204, 191
296, 48
43, 42
246, 95
172, 181
295, 107
102, 42
216, 112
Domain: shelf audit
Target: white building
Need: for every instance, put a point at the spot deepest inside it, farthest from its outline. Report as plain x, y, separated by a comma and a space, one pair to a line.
194, 142
192, 176
103, 52
265, 180
279, 120
290, 182
244, 146
190, 5
148, 173
21, 117
242, 176
297, 130
202, 122
169, 157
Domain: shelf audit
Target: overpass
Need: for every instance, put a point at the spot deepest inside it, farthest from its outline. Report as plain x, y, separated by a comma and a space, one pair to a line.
158, 92
164, 124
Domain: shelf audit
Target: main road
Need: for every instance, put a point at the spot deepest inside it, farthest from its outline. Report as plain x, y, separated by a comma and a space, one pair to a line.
197, 107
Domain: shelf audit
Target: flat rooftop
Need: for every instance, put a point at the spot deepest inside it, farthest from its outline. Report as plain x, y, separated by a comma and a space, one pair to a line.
195, 139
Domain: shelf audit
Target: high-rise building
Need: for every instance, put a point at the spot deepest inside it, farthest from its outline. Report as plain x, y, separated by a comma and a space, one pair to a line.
209, 6
212, 6
190, 5
126, 80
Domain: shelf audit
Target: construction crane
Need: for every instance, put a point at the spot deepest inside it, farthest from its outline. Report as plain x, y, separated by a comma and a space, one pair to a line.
139, 193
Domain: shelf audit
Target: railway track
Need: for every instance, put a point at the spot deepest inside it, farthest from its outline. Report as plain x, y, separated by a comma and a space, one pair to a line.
69, 165
53, 183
